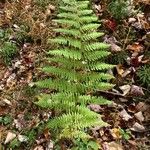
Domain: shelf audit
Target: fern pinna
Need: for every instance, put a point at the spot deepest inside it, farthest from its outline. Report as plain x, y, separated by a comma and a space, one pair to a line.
80, 70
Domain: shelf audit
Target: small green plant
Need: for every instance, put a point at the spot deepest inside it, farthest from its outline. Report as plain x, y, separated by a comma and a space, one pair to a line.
8, 50
143, 74
120, 9
85, 145
5, 120
125, 134
81, 70
14, 144
118, 58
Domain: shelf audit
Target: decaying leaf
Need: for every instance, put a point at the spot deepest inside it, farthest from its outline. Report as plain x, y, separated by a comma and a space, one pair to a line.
125, 115
115, 132
125, 89
138, 127
39, 148
10, 136
114, 146
22, 138
139, 116
95, 107
136, 90
135, 47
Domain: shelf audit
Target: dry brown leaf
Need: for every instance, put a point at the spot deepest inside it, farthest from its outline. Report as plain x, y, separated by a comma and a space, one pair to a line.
39, 148
10, 136
136, 91
135, 47
115, 132
141, 106
125, 116
120, 69
95, 107
22, 138
138, 127
114, 146
139, 116
125, 89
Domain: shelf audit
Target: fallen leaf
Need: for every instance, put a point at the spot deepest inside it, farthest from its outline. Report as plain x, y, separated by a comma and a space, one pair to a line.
138, 127
114, 146
50, 145
95, 107
131, 20
135, 47
125, 89
39, 148
125, 116
22, 138
10, 137
120, 69
115, 132
141, 106
136, 90
139, 116
115, 48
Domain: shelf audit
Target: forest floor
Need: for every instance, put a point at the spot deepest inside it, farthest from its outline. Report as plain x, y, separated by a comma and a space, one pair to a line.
28, 25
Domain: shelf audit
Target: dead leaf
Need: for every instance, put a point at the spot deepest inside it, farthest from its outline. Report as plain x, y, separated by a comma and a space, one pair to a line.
131, 20
125, 116
22, 138
39, 148
135, 47
120, 69
10, 137
141, 106
95, 107
136, 90
115, 48
139, 116
125, 89
114, 146
113, 42
138, 127
50, 145
115, 132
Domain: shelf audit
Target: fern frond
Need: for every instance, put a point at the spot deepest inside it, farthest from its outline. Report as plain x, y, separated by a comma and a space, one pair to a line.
66, 41
85, 12
62, 73
91, 36
96, 46
93, 77
73, 32
44, 100
67, 22
61, 86
87, 99
68, 8
67, 53
67, 63
71, 134
93, 56
79, 56
68, 15
89, 27
83, 5
103, 86
87, 19
99, 66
